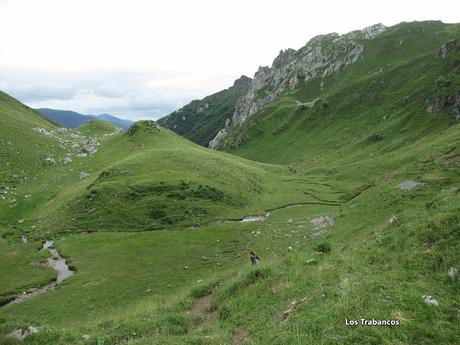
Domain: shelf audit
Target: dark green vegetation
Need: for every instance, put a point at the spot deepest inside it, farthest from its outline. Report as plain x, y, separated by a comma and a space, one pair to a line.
200, 120
342, 240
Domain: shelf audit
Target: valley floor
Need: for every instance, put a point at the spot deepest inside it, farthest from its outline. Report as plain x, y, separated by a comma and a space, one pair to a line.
372, 250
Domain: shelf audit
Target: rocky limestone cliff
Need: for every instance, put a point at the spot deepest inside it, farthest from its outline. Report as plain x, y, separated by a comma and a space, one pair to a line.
320, 57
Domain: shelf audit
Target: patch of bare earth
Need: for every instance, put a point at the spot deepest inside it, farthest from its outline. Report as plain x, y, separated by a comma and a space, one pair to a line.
201, 304
239, 336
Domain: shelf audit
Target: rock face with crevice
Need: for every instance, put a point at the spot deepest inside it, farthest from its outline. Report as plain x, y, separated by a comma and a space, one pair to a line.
322, 56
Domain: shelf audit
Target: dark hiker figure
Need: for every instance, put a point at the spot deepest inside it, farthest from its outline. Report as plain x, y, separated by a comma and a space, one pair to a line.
254, 258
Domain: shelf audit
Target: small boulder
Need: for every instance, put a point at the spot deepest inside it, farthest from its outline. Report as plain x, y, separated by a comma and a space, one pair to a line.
410, 185
50, 159
32, 330
21, 334
18, 334
453, 272
90, 146
392, 220
83, 175
429, 300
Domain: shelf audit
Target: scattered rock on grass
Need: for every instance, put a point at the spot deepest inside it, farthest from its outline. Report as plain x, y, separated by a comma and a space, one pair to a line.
453, 272
21, 334
317, 233
83, 175
392, 220
323, 222
410, 185
294, 306
429, 300
311, 261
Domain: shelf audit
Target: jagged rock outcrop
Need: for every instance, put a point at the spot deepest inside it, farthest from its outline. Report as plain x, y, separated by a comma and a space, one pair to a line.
446, 97
219, 136
447, 48
322, 56
450, 103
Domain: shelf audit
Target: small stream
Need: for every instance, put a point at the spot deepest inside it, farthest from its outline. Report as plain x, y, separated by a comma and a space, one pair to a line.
249, 219
58, 264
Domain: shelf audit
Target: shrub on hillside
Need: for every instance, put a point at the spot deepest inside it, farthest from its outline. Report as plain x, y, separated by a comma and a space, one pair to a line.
147, 125
442, 82
323, 248
375, 137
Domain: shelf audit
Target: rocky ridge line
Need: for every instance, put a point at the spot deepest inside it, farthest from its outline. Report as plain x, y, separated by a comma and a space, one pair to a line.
322, 56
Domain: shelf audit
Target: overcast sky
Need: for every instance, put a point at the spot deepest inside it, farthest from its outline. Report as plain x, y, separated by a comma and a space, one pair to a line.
145, 58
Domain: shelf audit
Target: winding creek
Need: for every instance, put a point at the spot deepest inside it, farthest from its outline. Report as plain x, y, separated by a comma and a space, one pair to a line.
58, 264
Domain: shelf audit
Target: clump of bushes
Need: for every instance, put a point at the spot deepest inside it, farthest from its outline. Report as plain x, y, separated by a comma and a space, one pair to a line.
323, 248
144, 124
442, 83
375, 137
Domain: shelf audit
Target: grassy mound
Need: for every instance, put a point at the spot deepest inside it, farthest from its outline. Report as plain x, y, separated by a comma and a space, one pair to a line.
97, 128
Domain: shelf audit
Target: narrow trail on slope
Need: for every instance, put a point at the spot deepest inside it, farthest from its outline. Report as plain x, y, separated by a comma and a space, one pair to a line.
200, 305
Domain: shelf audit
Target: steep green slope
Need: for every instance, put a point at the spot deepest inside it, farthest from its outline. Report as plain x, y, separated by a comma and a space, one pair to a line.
19, 125
401, 89
200, 120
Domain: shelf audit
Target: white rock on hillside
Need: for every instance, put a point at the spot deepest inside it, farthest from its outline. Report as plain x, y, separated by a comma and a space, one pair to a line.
410, 185
21, 334
453, 272
321, 56
83, 175
322, 222
429, 300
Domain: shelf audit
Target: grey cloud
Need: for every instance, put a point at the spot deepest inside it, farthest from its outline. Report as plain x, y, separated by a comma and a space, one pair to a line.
129, 94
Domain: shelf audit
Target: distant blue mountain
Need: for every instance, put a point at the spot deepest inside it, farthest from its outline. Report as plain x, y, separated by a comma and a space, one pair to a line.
73, 119
115, 120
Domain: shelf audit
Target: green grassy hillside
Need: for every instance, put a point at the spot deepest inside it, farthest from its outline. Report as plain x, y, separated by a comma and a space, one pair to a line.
150, 178
97, 128
375, 105
360, 188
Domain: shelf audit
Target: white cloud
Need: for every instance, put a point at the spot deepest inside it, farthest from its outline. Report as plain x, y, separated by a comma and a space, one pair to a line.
145, 58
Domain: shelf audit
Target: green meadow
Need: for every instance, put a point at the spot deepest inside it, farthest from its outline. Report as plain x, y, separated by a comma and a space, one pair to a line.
153, 229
